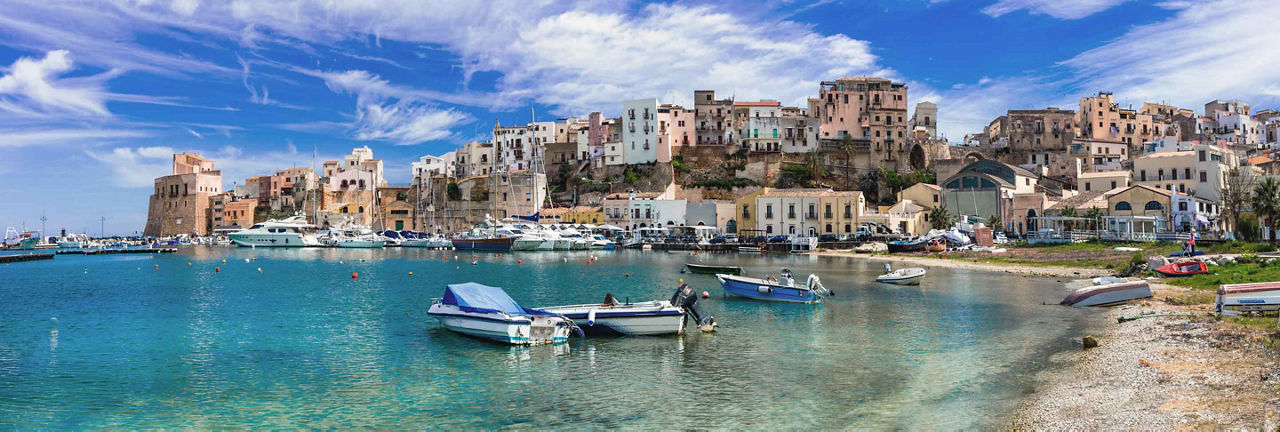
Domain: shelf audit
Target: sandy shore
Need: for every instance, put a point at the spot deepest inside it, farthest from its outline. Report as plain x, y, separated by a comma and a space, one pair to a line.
1184, 371
1071, 272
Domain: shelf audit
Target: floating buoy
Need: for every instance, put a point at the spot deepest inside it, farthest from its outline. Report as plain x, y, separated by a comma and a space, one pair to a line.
475, 262
246, 260
224, 260
410, 273
475, 256
188, 263
519, 261
217, 269
565, 259
354, 275
695, 254
706, 294
457, 267
157, 266
454, 257
259, 270
628, 274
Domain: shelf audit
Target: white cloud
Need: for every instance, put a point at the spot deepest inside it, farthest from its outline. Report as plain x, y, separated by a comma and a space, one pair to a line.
406, 123
1061, 9
194, 133
34, 86
135, 168
1210, 50
33, 136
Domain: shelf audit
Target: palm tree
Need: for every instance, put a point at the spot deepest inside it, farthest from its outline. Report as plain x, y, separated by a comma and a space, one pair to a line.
996, 224
1266, 204
1094, 213
869, 184
940, 218
813, 162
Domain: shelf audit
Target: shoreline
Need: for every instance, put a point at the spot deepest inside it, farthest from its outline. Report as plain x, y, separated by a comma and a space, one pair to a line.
1022, 269
1179, 368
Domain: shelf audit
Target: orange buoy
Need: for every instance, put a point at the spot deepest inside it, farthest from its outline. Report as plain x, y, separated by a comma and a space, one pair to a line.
706, 294
354, 275
157, 266
188, 263
519, 261
259, 270
475, 262
217, 269
475, 256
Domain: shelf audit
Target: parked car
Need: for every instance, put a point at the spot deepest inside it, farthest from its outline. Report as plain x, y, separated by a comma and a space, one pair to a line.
828, 238
718, 240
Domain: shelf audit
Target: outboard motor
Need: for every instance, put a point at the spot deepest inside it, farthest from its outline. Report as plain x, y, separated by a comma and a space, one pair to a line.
686, 299
888, 268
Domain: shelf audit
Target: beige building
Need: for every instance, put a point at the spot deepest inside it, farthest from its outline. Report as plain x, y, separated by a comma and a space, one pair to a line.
181, 202
1100, 155
1199, 172
1100, 118
713, 118
808, 212
925, 119
922, 194
1102, 181
675, 129
1049, 129
873, 112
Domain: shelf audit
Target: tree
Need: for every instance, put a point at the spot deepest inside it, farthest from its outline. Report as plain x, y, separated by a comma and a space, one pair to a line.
1236, 192
814, 163
1067, 212
1094, 214
869, 184
1266, 204
941, 218
995, 222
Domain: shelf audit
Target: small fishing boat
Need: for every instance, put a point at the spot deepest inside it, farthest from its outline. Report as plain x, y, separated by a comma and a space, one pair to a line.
903, 276
937, 245
489, 313
1106, 291
1184, 268
1240, 299
782, 289
611, 318
1185, 254
713, 269
914, 245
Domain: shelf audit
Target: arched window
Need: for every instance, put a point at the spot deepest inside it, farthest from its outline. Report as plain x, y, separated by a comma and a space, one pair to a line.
1123, 205
1153, 205
360, 209
346, 210
791, 230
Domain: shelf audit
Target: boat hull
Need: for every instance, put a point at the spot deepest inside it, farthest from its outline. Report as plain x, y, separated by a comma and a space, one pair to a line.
274, 240
500, 328
1190, 268
760, 289
1241, 299
907, 246
362, 244
910, 276
484, 245
624, 320
526, 244
710, 269
1109, 294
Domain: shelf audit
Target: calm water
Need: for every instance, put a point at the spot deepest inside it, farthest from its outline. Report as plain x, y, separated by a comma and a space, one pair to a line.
112, 342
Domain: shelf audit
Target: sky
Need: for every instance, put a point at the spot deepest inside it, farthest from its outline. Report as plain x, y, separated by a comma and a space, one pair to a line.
95, 97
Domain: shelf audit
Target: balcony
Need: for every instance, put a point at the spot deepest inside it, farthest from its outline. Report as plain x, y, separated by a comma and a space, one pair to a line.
811, 216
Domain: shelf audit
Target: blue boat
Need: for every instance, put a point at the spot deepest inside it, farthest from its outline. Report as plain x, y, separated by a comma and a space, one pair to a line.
783, 289
1186, 254
487, 312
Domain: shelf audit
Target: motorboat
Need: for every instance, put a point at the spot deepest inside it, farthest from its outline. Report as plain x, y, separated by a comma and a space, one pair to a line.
525, 240
902, 276
74, 241
1106, 291
1184, 268
611, 318
293, 231
911, 245
361, 242
487, 312
599, 242
713, 269
1240, 299
779, 289
485, 240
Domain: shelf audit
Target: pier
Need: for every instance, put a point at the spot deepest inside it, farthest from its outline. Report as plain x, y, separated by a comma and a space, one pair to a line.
5, 259
115, 251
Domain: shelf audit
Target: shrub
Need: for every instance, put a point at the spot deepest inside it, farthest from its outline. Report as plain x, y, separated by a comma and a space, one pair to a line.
725, 183
1248, 228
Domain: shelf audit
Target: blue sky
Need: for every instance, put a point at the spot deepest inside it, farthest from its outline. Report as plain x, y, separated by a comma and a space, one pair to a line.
94, 97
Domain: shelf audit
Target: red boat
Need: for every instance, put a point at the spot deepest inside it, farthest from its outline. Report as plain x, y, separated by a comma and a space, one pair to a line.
1185, 268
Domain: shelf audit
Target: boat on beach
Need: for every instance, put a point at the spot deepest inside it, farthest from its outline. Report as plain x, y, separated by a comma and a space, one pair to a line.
910, 245
488, 313
902, 276
1250, 298
1106, 291
1184, 268
713, 269
781, 289
611, 318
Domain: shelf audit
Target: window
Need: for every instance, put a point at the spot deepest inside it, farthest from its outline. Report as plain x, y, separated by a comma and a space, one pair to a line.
1123, 205
1087, 186
746, 212
768, 211
1204, 177
1201, 155
1142, 175
1186, 173
828, 228
1153, 205
1113, 184
848, 211
791, 211
1182, 206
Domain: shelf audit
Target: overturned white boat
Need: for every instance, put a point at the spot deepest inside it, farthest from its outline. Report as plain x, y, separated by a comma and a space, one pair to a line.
903, 276
489, 313
611, 318
1250, 298
1106, 291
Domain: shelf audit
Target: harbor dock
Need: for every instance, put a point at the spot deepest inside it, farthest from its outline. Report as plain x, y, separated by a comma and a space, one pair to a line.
115, 251
6, 259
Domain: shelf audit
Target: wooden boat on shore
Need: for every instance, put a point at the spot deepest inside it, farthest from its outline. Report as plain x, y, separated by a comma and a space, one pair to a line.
1184, 268
913, 245
1250, 298
713, 269
1107, 292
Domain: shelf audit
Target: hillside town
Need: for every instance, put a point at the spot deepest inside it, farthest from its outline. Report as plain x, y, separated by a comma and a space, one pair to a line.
856, 155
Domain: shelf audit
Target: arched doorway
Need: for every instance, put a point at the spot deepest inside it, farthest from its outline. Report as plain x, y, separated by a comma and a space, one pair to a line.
917, 157
731, 226
1031, 222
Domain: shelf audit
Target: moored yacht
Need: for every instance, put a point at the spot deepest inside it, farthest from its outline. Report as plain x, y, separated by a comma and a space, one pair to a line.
293, 231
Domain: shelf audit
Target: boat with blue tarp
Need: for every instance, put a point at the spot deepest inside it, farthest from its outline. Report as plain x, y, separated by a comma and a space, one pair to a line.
779, 289
487, 312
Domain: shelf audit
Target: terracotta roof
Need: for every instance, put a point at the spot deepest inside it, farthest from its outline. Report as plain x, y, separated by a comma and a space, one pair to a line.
1259, 160
331, 162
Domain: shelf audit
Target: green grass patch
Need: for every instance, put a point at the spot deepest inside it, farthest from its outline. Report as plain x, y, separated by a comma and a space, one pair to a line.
1195, 297
1263, 323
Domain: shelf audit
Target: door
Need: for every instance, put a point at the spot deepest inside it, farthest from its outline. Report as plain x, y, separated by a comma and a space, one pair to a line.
399, 225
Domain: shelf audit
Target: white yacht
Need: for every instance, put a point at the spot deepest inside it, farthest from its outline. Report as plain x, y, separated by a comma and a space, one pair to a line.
294, 231
74, 241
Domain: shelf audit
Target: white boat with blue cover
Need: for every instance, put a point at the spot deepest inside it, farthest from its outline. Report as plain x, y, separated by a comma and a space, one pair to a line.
487, 312
611, 318
782, 289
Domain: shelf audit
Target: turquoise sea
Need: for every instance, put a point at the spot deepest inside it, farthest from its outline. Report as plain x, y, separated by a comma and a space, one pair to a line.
115, 342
